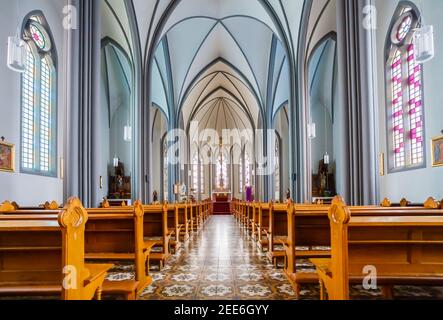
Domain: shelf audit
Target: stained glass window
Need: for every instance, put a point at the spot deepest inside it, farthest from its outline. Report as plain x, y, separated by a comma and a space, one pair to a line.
38, 112
277, 169
405, 96
240, 176
28, 111
247, 170
404, 28
222, 171
202, 176
415, 108
397, 110
195, 172
165, 170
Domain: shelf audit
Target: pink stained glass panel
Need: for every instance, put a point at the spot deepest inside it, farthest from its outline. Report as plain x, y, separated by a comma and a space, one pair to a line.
415, 108
397, 111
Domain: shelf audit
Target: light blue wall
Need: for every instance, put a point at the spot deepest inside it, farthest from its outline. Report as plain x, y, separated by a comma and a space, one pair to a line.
116, 115
321, 72
23, 188
415, 185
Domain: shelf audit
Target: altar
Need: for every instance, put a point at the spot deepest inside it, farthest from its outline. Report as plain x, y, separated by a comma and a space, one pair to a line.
221, 202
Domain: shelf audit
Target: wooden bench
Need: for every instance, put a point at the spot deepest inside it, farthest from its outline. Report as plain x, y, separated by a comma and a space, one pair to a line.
249, 218
430, 203
278, 232
195, 219
184, 221
111, 234
255, 220
117, 234
156, 232
263, 225
235, 209
405, 250
174, 228
309, 235
8, 206
47, 257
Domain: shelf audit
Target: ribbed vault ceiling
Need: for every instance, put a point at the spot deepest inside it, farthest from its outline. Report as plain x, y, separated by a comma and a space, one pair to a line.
224, 51
199, 47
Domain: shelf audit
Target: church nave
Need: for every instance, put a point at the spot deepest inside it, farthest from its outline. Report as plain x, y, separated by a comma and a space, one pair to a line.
188, 150
219, 262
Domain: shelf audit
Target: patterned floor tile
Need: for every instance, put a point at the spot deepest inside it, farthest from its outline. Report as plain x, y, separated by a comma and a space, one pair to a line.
222, 262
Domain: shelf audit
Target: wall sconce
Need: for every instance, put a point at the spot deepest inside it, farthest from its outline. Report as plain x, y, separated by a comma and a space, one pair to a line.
312, 131
424, 48
115, 162
127, 134
16, 54
326, 158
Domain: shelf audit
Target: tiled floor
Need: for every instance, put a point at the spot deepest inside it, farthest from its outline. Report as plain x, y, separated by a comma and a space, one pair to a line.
222, 262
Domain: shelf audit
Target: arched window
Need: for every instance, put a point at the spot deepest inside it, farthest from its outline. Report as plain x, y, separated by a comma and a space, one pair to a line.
405, 95
38, 102
198, 168
202, 176
222, 171
247, 169
240, 176
277, 169
165, 170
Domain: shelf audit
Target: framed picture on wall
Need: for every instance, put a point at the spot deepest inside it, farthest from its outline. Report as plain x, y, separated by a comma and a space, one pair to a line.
7, 157
437, 151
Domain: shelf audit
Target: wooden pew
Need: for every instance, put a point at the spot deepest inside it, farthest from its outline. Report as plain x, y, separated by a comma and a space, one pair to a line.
174, 228
309, 235
263, 225
184, 221
430, 203
111, 234
117, 234
278, 232
14, 206
47, 257
195, 218
255, 220
406, 250
155, 231
235, 209
249, 219
207, 204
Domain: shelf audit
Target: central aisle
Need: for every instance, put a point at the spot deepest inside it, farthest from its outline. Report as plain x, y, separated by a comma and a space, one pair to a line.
219, 263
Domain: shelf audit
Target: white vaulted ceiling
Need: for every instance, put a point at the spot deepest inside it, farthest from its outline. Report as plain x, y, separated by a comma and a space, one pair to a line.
226, 54
221, 54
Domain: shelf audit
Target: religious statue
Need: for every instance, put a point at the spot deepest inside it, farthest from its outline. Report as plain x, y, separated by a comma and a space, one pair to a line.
120, 169
288, 195
155, 197
120, 186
